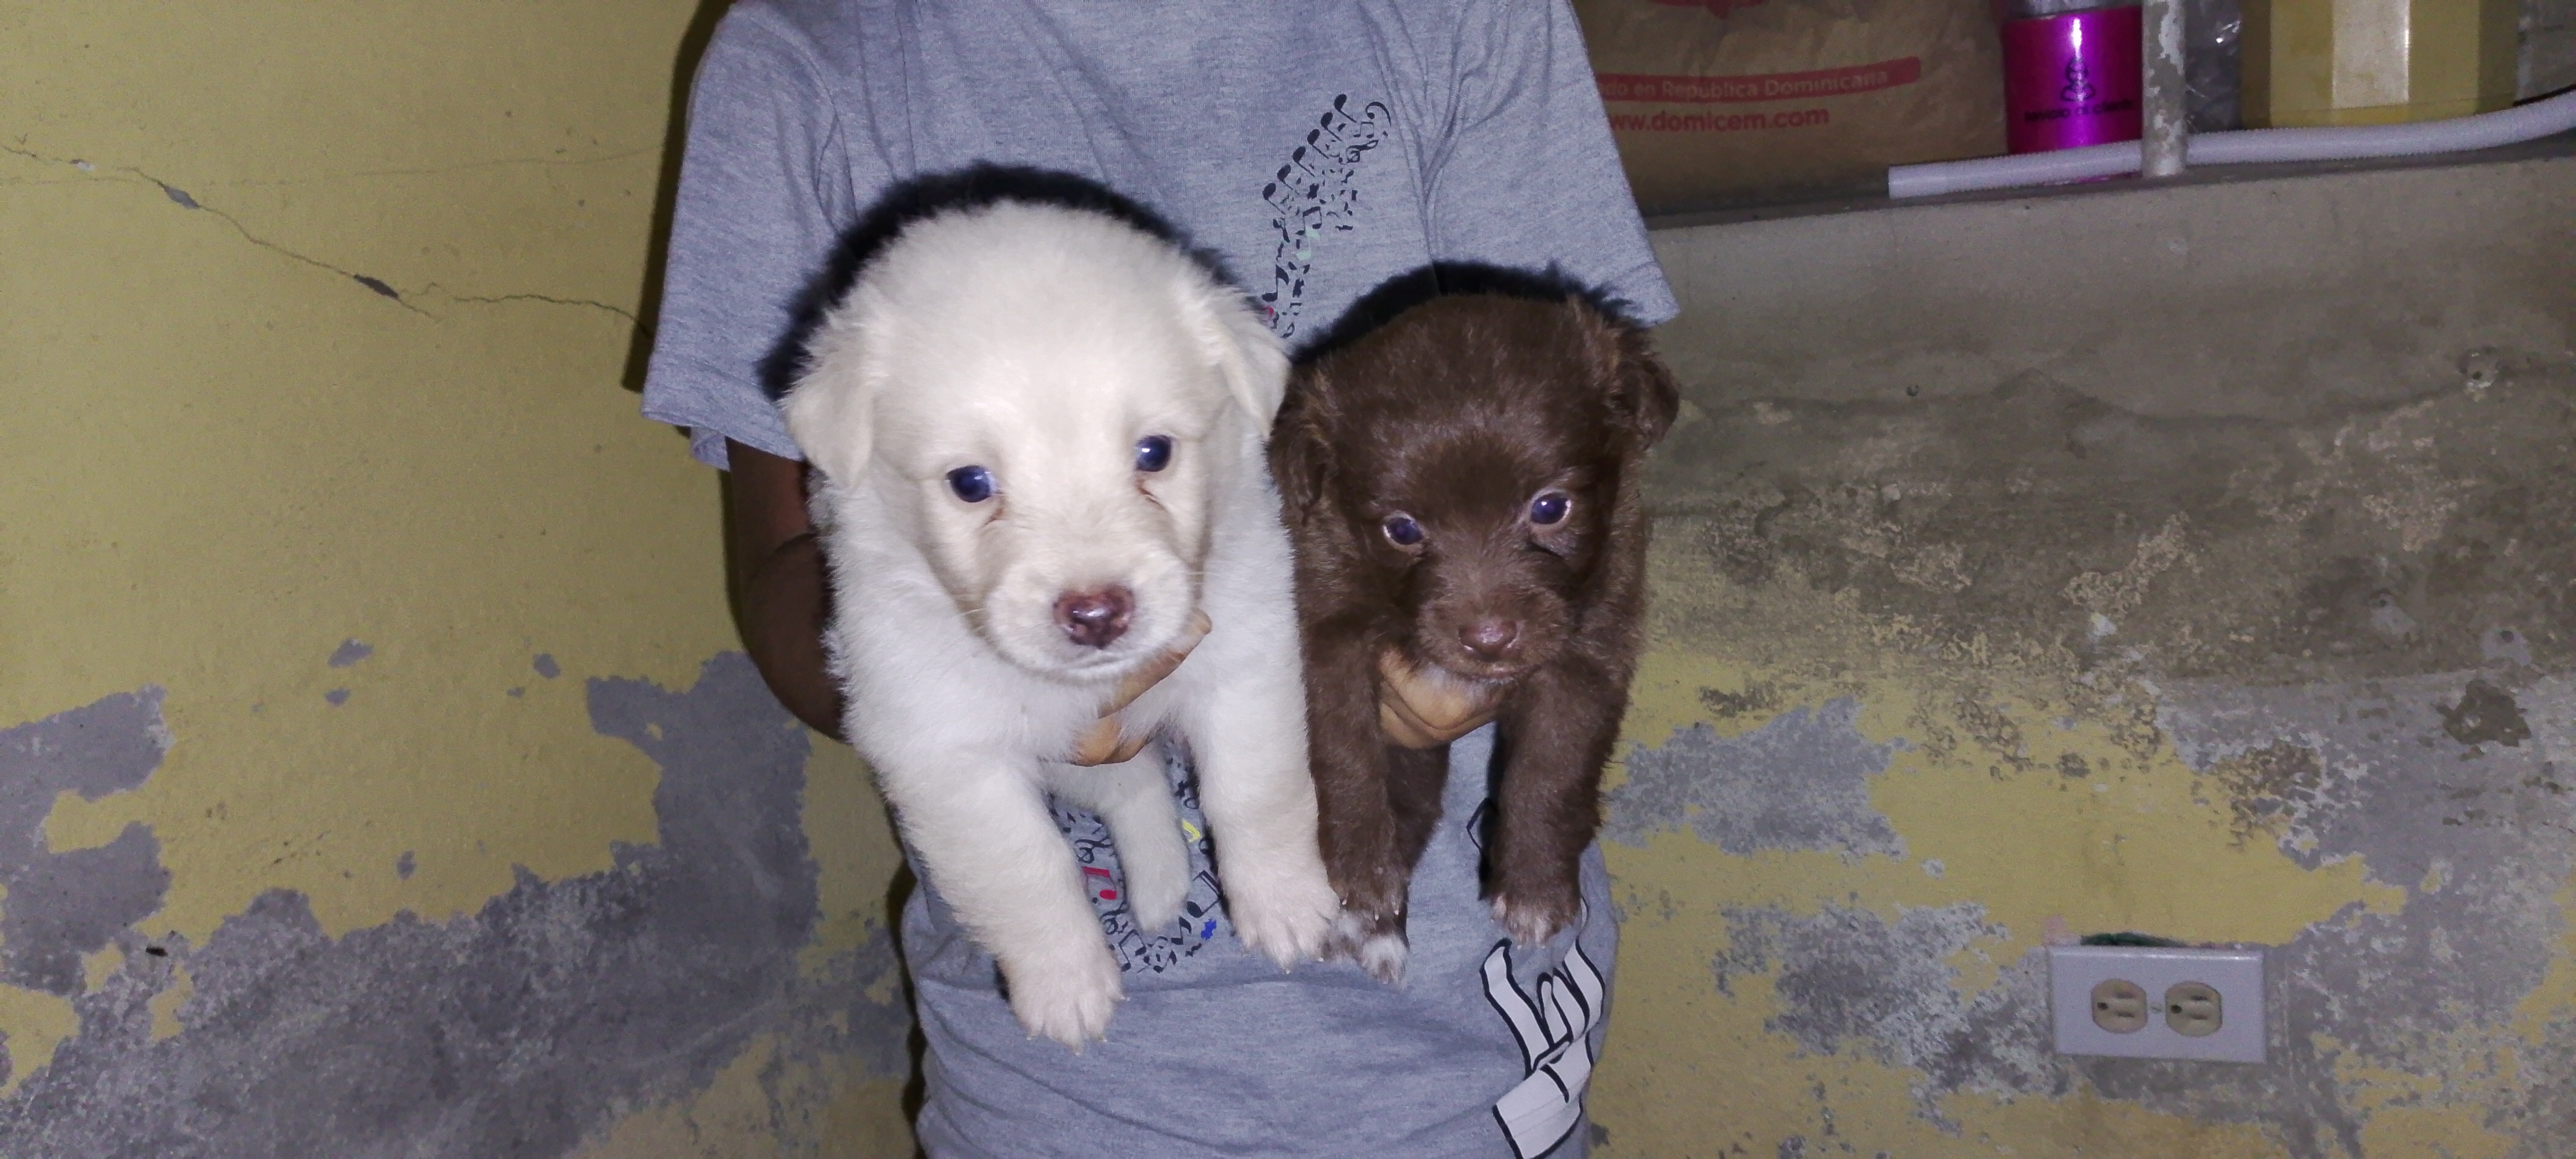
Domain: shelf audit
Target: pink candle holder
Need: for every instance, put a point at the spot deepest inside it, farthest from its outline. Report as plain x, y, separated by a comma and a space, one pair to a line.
2072, 79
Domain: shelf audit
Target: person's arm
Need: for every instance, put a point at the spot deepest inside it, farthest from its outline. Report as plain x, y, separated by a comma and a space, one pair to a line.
779, 578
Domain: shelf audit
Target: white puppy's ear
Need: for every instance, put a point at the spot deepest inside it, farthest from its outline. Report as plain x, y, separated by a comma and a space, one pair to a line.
830, 411
1250, 357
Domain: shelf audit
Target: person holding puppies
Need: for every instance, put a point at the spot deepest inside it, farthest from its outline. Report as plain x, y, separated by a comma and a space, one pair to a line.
1318, 151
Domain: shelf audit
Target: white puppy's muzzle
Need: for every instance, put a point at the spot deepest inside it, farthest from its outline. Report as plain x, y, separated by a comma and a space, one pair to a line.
1089, 613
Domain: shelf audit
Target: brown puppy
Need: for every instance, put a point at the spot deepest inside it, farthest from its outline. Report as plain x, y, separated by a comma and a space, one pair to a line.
1460, 484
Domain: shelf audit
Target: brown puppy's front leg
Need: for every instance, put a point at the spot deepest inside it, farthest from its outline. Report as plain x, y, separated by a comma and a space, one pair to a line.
1558, 729
1357, 822
1414, 780
1375, 937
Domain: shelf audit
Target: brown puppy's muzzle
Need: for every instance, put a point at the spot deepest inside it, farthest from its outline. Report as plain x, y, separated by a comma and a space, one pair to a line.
1491, 614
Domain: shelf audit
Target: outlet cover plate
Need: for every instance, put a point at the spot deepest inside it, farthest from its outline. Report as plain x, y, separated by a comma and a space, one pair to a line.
2237, 975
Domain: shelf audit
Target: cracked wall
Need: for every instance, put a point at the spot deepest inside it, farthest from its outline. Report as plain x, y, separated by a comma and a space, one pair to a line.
375, 776
2215, 586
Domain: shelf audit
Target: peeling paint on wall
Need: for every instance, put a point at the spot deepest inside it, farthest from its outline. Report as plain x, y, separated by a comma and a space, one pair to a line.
64, 904
1846, 978
558, 1008
319, 415
2132, 637
1801, 781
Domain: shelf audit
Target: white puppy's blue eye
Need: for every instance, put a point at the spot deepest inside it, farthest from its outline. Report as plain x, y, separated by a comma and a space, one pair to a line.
1402, 531
1549, 508
972, 484
1153, 453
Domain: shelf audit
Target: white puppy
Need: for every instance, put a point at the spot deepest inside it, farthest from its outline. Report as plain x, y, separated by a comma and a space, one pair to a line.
1040, 436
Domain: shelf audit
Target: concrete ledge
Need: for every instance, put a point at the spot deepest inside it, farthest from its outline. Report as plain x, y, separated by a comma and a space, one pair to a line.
2286, 292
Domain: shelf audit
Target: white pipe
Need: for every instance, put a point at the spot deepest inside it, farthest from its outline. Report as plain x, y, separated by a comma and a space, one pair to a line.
2248, 146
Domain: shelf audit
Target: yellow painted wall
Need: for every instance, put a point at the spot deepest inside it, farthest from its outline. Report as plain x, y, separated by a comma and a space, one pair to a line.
317, 324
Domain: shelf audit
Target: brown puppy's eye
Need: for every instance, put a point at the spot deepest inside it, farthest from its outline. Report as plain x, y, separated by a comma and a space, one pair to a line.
1549, 508
1402, 531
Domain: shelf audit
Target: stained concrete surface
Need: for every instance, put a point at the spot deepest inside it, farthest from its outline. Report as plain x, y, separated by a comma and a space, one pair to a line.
519, 1030
2196, 563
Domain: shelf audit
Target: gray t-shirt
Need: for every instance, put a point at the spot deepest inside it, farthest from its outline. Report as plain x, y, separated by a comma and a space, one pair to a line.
1318, 149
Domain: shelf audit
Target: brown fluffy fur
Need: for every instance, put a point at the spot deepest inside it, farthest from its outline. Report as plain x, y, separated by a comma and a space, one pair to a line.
1460, 413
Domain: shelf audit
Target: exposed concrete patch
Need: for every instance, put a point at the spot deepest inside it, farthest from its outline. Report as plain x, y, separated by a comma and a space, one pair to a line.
1759, 696
2477, 833
1849, 979
2269, 787
1800, 781
2479, 837
63, 905
2110, 595
349, 653
2485, 714
2545, 1116
516, 1030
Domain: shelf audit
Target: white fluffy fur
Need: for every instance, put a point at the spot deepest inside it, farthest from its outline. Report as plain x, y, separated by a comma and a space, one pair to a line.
1042, 343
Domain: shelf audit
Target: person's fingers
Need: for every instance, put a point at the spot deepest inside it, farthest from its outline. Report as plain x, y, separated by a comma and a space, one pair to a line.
1105, 743
1420, 712
1128, 747
1400, 728
1155, 670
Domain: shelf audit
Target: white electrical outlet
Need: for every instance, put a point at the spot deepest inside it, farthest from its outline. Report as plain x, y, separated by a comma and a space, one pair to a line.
2202, 1004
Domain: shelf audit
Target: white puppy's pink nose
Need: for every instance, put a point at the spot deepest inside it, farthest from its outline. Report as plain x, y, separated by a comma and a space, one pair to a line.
1094, 619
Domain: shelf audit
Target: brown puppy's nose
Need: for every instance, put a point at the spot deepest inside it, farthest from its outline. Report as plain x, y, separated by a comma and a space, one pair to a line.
1094, 619
1491, 639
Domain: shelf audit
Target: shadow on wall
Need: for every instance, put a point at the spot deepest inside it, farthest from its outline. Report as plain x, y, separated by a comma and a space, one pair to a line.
666, 188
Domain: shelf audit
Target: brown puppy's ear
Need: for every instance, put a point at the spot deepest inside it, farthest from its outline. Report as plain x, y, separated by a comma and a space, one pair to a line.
1641, 387
1301, 457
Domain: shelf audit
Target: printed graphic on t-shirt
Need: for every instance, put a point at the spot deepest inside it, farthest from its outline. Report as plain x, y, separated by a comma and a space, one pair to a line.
1143, 951
1315, 191
1553, 1022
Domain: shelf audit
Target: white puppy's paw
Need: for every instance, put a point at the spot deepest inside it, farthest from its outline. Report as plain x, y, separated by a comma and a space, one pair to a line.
1285, 915
1067, 997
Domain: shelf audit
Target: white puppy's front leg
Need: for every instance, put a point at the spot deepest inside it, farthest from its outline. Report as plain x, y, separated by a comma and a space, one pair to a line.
1249, 735
991, 847
1135, 800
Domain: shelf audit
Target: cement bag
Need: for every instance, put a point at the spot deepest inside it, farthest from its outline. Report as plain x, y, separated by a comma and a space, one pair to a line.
1719, 102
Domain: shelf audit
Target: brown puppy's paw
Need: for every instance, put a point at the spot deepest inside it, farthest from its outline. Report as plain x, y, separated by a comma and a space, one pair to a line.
1373, 940
1532, 915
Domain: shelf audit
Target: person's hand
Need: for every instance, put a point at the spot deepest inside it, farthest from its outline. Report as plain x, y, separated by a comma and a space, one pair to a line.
1419, 711
1108, 743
